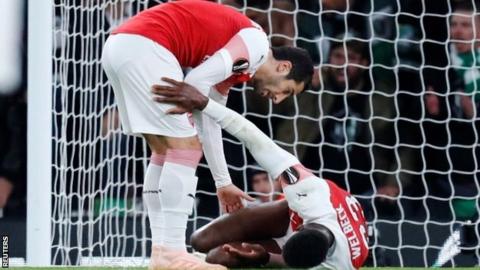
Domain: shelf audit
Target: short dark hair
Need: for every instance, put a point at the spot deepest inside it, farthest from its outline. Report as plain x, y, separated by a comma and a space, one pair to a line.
306, 248
468, 7
465, 6
302, 64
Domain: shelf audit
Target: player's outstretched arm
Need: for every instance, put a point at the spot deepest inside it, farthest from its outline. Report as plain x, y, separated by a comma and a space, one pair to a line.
311, 207
270, 156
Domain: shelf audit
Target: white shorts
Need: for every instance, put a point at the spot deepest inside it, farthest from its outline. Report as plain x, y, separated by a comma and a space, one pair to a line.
133, 64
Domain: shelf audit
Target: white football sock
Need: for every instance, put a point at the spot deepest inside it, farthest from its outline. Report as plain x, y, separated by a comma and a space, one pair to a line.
151, 197
178, 184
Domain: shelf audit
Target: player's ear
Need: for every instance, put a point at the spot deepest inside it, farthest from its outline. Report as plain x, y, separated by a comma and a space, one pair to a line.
284, 67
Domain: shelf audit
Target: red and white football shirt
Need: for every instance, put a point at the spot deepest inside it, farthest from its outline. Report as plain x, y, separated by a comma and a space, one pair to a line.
194, 30
321, 201
190, 29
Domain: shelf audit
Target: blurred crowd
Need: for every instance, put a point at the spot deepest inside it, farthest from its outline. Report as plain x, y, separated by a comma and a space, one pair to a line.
391, 114
13, 109
392, 110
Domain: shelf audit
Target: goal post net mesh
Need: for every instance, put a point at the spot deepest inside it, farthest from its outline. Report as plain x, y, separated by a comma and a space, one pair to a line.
390, 116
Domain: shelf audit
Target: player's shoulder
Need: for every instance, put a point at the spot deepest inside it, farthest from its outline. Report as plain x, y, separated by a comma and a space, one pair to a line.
257, 44
255, 36
334, 188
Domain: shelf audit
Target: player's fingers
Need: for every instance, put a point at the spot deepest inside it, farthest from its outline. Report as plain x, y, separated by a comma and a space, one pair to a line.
176, 110
226, 247
253, 247
161, 99
234, 207
241, 253
223, 207
171, 81
230, 249
247, 197
246, 246
238, 206
165, 93
164, 99
233, 251
163, 88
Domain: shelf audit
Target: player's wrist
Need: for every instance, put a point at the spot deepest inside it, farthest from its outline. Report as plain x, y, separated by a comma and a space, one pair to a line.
203, 103
211, 108
215, 111
221, 183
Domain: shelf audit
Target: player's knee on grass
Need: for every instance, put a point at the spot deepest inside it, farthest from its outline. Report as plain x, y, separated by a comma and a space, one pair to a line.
308, 247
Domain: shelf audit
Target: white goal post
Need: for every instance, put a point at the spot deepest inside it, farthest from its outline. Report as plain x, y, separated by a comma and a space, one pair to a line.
39, 137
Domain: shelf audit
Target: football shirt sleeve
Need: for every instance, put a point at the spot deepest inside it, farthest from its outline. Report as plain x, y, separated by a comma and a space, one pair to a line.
245, 52
269, 156
242, 54
240, 57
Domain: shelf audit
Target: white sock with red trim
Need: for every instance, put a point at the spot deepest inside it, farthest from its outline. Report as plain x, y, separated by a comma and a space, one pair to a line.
151, 197
178, 184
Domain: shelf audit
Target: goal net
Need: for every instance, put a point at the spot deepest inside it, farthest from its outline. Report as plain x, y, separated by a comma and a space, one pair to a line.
390, 116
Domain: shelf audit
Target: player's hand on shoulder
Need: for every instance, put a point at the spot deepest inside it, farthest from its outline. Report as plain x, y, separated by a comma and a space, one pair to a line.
253, 254
231, 198
185, 96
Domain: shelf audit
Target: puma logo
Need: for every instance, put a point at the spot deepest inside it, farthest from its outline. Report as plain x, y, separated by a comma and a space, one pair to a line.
300, 195
261, 58
152, 191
